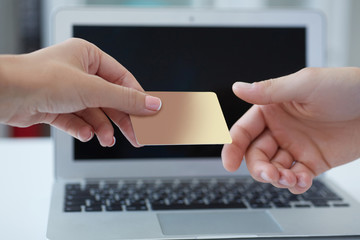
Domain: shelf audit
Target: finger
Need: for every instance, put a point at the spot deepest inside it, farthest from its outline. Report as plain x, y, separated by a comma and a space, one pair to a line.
123, 122
121, 98
113, 71
304, 178
243, 132
293, 87
71, 124
116, 86
287, 178
258, 159
283, 162
283, 159
105, 66
101, 125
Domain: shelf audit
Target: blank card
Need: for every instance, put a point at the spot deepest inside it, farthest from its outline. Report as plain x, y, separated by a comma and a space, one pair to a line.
185, 118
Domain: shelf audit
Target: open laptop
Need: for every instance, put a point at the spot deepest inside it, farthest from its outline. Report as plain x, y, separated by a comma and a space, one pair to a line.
183, 192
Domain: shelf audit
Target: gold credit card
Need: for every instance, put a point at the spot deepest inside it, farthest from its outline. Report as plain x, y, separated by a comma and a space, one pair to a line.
185, 118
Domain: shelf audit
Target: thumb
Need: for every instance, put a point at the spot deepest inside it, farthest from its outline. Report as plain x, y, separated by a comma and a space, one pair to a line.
124, 99
293, 87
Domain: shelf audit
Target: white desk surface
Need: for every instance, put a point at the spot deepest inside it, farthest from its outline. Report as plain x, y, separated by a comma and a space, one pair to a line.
27, 174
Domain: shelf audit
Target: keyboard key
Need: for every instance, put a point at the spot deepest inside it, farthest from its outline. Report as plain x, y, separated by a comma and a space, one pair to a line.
114, 207
72, 209
320, 203
156, 206
110, 185
74, 203
302, 205
176, 206
282, 205
75, 186
78, 197
136, 208
95, 208
260, 205
341, 205
229, 205
92, 186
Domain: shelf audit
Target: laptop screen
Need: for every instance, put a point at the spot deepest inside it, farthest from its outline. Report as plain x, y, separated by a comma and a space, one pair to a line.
174, 58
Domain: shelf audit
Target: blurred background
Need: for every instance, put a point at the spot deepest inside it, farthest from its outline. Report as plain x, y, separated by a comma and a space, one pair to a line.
25, 26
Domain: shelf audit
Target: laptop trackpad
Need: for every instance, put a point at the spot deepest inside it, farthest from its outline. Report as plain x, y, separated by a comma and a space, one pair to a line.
217, 223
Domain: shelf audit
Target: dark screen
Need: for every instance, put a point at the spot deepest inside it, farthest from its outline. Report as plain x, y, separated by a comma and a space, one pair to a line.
193, 59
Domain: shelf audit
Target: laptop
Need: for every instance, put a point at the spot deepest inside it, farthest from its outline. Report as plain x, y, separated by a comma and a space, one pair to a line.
183, 192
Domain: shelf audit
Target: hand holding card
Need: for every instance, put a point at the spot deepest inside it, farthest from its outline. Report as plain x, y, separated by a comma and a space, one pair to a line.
185, 118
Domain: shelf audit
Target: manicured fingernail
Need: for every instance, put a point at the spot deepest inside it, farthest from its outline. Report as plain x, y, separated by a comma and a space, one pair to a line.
152, 103
88, 138
91, 136
264, 176
283, 181
114, 141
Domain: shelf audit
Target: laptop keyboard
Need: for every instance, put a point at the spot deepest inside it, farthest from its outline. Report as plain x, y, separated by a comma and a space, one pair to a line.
144, 195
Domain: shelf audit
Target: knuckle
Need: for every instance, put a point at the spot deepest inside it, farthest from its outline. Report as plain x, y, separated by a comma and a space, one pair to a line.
80, 45
266, 85
69, 126
356, 71
76, 41
308, 73
267, 88
131, 99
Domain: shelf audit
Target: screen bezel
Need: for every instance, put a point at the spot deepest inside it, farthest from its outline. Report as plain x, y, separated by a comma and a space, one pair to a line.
65, 19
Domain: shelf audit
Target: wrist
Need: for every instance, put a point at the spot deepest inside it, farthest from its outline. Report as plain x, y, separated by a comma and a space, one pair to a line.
9, 85
9, 68
6, 64
3, 73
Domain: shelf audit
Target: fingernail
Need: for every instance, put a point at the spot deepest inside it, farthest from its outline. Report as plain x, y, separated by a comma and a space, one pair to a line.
114, 141
301, 184
282, 181
238, 85
86, 139
152, 103
264, 176
91, 136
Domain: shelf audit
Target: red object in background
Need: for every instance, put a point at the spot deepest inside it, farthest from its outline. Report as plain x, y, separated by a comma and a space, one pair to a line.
32, 131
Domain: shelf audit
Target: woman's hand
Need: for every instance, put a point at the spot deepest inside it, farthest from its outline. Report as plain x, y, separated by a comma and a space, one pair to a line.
75, 87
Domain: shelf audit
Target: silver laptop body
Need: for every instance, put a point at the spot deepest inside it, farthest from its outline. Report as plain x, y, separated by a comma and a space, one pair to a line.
116, 176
